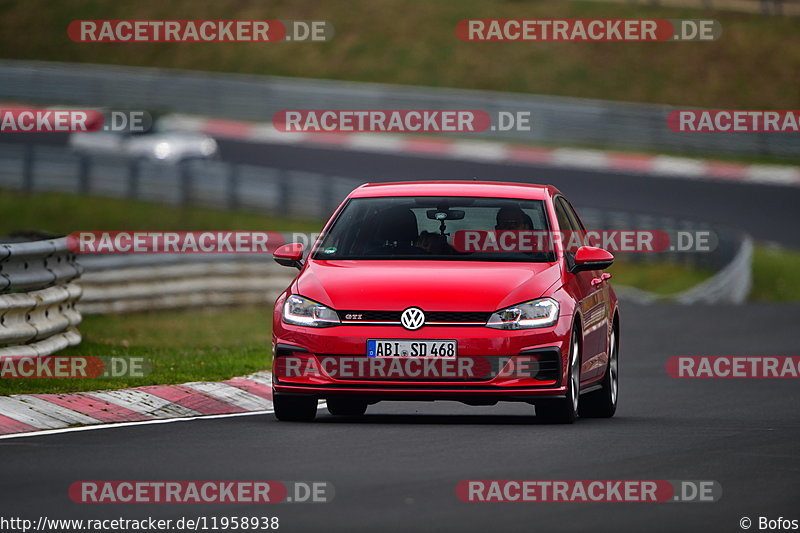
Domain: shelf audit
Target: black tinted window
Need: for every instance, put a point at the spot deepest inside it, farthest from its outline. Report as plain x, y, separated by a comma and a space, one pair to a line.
428, 228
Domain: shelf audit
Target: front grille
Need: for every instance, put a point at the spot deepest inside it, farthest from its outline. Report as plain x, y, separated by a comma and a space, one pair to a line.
457, 316
449, 317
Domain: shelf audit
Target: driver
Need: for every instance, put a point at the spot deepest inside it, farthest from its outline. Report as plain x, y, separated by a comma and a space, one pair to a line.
513, 218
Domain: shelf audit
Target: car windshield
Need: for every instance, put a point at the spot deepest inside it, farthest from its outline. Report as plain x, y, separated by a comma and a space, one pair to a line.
435, 228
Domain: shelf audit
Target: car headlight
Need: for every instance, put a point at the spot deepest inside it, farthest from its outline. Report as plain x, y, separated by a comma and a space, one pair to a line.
533, 314
304, 312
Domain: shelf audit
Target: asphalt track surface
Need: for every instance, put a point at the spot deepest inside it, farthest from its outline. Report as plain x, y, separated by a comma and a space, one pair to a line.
396, 468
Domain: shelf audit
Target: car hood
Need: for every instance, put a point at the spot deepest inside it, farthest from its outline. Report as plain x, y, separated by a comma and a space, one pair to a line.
430, 285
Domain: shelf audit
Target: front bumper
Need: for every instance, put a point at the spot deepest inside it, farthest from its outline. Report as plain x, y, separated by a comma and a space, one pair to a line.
505, 365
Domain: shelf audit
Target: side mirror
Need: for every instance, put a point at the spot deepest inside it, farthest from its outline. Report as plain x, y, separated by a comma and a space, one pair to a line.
591, 258
289, 255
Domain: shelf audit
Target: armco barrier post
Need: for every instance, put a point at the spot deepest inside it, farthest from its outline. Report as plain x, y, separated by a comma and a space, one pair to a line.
326, 202
133, 179
284, 193
233, 186
27, 168
84, 169
185, 183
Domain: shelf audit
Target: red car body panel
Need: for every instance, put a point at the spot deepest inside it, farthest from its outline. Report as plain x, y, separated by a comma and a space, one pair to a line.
431, 285
448, 286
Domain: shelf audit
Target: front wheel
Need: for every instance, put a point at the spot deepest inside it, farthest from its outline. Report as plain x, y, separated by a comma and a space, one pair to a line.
603, 403
565, 410
294, 408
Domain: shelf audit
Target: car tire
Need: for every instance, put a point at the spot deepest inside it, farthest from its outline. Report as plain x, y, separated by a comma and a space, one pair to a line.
294, 408
603, 403
346, 406
565, 410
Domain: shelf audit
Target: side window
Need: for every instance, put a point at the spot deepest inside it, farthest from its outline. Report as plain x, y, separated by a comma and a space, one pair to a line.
565, 228
564, 223
571, 227
577, 225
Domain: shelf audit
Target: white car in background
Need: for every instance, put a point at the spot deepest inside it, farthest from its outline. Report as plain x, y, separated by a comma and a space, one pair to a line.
169, 146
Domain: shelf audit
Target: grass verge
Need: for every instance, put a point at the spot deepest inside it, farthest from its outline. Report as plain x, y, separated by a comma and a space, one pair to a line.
63, 213
658, 278
776, 275
182, 346
414, 42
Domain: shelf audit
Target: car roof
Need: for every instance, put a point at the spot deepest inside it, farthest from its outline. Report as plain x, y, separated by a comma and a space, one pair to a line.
481, 189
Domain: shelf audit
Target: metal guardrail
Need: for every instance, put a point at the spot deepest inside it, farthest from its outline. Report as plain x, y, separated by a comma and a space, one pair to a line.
726, 243
210, 183
557, 120
731, 259
36, 265
128, 283
37, 298
39, 323
730, 285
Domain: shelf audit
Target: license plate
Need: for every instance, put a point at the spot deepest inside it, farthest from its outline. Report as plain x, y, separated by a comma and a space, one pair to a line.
441, 349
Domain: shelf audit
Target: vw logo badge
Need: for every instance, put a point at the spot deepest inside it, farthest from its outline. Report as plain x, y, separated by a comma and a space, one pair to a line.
412, 318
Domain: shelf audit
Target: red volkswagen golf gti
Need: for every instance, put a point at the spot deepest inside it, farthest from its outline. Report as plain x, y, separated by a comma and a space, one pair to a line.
440, 290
